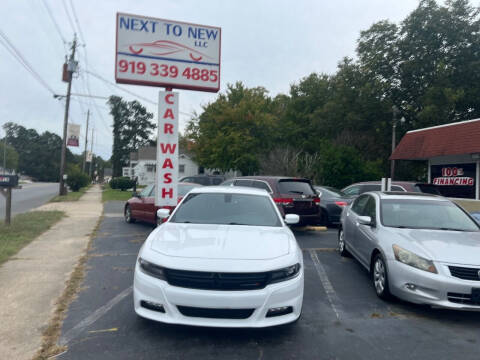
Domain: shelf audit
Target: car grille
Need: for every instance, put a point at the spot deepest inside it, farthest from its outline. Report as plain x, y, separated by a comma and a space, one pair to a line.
216, 281
462, 299
215, 313
465, 273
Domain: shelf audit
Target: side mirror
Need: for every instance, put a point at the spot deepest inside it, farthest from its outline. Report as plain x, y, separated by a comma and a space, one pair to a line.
135, 194
163, 213
292, 219
366, 220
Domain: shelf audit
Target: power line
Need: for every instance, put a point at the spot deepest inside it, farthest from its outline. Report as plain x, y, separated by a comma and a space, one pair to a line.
50, 14
68, 16
21, 59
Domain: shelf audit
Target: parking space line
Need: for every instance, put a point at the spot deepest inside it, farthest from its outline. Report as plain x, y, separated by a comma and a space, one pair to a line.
89, 320
327, 285
320, 249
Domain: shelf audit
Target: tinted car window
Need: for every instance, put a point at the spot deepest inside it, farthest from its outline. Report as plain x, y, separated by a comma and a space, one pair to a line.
427, 188
328, 193
261, 185
227, 209
217, 181
371, 187
359, 204
396, 188
228, 183
243, 182
370, 209
295, 187
184, 189
352, 190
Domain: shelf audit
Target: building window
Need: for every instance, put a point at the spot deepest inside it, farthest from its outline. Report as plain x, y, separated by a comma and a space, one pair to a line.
150, 168
181, 168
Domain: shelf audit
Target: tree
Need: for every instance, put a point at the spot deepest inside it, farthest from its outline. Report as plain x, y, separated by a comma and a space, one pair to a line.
11, 156
38, 155
132, 129
234, 130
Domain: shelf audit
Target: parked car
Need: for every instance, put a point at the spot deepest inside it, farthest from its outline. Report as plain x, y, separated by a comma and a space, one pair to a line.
225, 257
141, 206
408, 186
332, 202
205, 180
292, 195
421, 248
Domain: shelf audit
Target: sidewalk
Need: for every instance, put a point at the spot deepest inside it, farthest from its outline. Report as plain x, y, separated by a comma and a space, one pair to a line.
31, 282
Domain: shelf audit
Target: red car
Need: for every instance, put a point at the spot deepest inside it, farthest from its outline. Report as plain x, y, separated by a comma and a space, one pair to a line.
142, 205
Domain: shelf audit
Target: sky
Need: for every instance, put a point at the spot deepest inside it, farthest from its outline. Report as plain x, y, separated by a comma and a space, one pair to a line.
266, 43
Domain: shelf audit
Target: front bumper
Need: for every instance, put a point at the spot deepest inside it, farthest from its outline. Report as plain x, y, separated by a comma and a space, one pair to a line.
287, 293
438, 290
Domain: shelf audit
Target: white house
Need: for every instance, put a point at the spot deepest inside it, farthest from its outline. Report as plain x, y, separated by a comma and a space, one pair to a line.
143, 165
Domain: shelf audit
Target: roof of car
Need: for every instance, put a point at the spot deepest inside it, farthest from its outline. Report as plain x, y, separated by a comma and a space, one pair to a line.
393, 183
263, 177
406, 195
229, 190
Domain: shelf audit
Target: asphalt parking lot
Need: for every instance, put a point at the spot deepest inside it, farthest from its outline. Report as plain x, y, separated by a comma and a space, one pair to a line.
342, 317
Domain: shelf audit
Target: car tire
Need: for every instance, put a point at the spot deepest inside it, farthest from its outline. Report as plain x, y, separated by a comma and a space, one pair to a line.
380, 278
341, 244
128, 215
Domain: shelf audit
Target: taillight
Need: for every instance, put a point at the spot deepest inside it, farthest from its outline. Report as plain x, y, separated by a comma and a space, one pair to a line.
341, 203
316, 200
283, 201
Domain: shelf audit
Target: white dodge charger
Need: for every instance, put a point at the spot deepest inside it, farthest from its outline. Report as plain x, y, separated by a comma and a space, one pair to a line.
225, 257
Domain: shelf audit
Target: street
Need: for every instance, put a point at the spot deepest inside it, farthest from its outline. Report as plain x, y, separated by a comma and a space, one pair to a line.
342, 317
29, 197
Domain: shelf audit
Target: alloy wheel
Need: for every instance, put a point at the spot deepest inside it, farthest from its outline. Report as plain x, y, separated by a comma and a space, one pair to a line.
379, 276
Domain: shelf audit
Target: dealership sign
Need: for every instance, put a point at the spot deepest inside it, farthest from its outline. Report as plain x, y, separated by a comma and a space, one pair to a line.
453, 176
165, 53
167, 149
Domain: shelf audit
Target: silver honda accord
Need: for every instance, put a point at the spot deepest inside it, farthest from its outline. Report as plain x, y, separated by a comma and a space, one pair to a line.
421, 248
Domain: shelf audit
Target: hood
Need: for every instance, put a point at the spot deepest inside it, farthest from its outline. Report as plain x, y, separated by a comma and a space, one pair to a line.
454, 247
233, 242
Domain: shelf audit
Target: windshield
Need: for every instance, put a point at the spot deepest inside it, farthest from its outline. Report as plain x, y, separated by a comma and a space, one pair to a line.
295, 187
227, 209
183, 189
425, 214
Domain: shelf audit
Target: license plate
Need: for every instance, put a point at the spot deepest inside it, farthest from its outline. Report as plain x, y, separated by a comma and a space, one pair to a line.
476, 295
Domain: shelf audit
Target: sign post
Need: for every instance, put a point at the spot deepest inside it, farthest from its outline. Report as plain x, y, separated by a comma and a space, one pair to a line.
170, 54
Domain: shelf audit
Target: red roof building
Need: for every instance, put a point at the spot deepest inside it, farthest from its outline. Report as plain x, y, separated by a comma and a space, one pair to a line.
453, 155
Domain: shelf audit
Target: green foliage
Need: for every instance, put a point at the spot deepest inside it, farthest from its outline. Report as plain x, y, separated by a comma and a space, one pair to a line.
38, 155
232, 131
122, 183
11, 156
132, 128
77, 179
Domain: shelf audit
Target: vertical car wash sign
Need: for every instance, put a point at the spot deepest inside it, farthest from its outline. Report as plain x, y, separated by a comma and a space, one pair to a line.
171, 54
167, 149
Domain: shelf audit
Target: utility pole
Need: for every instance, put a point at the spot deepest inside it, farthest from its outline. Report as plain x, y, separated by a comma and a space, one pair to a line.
5, 154
91, 152
71, 67
86, 142
394, 127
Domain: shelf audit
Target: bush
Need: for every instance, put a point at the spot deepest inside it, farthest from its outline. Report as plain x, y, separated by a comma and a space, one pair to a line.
77, 179
123, 183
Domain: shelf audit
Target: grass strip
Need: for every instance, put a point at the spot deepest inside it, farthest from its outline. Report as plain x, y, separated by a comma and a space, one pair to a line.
110, 194
23, 229
71, 196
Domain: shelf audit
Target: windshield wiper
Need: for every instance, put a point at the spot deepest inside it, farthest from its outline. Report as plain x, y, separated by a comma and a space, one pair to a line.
450, 229
235, 223
295, 192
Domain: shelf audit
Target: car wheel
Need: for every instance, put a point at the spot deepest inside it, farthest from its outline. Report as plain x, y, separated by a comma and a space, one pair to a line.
380, 277
341, 244
128, 215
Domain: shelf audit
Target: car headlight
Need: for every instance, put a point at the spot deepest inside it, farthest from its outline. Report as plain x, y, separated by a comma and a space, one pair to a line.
151, 269
284, 274
409, 258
